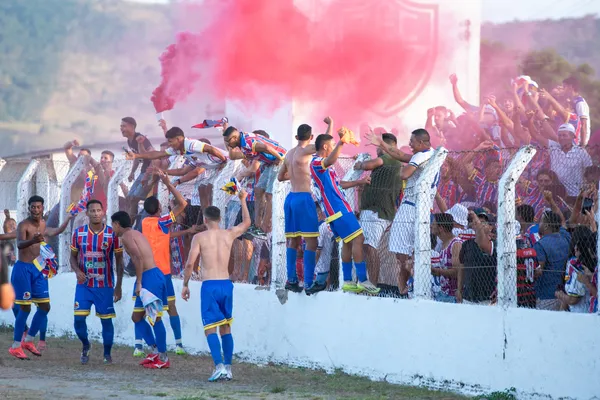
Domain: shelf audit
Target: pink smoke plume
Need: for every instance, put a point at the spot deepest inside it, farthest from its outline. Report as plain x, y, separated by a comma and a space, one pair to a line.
345, 59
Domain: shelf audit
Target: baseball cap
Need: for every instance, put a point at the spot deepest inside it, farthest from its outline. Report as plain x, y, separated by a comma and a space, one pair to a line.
567, 127
459, 213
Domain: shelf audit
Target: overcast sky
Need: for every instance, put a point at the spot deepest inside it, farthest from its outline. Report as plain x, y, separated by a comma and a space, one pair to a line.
509, 10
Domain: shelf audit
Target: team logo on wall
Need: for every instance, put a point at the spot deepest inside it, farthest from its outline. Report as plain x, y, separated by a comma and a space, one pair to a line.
417, 25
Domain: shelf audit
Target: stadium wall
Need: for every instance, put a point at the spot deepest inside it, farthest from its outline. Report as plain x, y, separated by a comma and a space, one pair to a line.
418, 342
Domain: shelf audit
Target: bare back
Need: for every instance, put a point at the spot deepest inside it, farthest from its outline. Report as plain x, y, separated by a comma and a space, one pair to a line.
26, 230
297, 163
215, 250
138, 248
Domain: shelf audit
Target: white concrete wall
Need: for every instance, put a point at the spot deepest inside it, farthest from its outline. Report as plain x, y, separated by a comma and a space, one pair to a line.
417, 342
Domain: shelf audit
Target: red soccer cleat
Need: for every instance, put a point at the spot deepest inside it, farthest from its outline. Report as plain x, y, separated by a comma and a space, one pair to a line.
150, 359
158, 364
18, 353
30, 347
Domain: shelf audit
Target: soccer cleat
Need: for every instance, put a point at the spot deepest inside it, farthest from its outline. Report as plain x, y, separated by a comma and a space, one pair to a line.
315, 288
352, 287
107, 359
179, 350
85, 355
139, 353
18, 353
219, 373
293, 287
368, 287
229, 375
41, 345
158, 364
150, 359
30, 347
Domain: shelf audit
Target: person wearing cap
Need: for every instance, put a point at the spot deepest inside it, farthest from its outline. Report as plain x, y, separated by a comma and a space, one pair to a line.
567, 160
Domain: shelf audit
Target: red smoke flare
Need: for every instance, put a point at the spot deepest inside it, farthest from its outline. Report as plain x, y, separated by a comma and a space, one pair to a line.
353, 57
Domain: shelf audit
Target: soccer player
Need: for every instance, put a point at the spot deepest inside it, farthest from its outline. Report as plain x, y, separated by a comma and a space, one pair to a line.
300, 212
155, 228
340, 216
27, 278
92, 249
150, 278
256, 146
216, 293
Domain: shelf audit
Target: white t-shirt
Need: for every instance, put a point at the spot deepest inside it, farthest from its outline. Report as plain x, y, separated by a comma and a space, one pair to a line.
193, 152
583, 112
418, 161
570, 166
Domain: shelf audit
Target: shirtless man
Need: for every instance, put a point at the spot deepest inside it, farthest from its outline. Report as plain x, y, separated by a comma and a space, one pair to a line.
150, 278
216, 294
301, 220
28, 280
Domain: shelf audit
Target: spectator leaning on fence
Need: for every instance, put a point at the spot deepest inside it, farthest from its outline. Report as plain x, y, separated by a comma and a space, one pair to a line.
378, 202
402, 235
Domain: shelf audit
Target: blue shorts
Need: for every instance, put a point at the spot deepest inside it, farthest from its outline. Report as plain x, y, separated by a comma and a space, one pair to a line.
346, 227
101, 298
170, 288
29, 283
300, 215
153, 280
216, 303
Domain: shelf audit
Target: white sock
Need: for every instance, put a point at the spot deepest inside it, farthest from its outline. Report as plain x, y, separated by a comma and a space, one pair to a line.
16, 345
29, 338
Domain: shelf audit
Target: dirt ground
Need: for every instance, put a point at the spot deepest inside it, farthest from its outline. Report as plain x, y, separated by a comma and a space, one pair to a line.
58, 374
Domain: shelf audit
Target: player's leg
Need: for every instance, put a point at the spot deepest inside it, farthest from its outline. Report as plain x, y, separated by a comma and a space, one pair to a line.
43, 329
154, 281
142, 330
226, 307
212, 318
308, 227
361, 266
21, 282
81, 309
105, 310
402, 237
41, 297
292, 234
16, 308
173, 315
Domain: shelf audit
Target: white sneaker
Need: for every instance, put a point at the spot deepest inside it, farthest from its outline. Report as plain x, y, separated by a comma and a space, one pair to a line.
368, 287
219, 373
229, 375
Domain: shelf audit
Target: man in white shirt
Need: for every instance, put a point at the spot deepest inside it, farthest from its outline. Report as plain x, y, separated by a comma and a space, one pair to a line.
582, 109
402, 234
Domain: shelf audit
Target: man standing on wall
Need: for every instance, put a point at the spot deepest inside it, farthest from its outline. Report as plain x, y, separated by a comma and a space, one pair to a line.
300, 212
92, 249
28, 280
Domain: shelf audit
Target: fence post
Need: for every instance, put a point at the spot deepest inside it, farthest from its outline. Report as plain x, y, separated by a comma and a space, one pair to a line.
219, 197
278, 242
65, 199
24, 189
112, 198
598, 249
505, 242
422, 259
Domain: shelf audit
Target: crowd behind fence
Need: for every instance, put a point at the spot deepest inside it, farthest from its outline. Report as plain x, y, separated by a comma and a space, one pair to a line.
496, 216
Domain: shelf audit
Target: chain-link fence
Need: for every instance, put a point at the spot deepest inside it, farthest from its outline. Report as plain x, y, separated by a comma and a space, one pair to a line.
513, 227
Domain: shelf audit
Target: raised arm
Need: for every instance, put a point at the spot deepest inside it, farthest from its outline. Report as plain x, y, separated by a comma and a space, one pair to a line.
181, 202
504, 120
240, 229
388, 148
68, 147
457, 96
368, 165
332, 158
50, 232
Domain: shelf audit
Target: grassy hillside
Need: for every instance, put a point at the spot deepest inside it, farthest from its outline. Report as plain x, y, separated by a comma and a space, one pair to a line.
73, 68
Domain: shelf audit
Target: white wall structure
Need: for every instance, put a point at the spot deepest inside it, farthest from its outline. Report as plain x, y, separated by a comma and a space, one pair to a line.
451, 43
416, 342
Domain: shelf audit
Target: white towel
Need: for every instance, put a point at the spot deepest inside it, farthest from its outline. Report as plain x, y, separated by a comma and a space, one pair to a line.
152, 304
